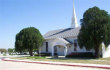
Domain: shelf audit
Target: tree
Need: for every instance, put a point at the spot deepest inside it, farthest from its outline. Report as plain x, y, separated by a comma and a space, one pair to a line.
2, 50
28, 39
19, 44
95, 29
11, 50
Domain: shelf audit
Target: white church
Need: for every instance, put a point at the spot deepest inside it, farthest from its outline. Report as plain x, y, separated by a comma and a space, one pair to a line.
63, 42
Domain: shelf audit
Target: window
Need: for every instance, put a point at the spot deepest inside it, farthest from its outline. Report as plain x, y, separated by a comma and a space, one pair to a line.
46, 46
75, 45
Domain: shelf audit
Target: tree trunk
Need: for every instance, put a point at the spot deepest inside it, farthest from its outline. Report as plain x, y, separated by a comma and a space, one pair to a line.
97, 55
31, 53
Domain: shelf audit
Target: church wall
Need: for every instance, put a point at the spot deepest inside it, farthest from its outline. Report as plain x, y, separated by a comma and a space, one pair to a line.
71, 48
106, 51
43, 48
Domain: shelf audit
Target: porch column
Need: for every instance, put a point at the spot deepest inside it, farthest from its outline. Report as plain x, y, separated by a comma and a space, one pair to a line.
52, 50
65, 51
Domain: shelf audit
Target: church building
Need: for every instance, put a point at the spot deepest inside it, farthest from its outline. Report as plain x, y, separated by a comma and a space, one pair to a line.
63, 42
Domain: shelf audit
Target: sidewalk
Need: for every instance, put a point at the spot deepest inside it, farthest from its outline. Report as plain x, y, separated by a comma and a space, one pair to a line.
60, 63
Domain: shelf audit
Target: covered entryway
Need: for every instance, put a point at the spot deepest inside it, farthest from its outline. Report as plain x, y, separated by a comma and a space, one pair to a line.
59, 47
59, 50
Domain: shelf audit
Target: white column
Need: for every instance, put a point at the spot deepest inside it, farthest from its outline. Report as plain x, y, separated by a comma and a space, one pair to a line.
65, 51
52, 50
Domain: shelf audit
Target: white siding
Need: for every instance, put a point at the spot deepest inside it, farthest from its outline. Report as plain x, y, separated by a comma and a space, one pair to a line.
43, 48
61, 50
71, 49
106, 52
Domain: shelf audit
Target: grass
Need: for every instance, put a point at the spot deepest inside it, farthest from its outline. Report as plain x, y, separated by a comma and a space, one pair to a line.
32, 57
105, 61
105, 58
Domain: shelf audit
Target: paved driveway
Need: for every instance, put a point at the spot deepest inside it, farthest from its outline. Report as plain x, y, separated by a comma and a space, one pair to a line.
6, 65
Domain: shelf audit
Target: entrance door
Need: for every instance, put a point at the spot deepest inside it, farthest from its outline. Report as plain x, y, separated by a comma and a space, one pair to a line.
60, 51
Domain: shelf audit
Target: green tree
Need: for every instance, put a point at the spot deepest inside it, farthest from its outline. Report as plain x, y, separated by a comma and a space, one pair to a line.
11, 50
2, 50
28, 39
95, 29
19, 44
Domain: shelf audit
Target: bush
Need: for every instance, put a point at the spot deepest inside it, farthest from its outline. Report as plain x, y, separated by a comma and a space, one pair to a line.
81, 54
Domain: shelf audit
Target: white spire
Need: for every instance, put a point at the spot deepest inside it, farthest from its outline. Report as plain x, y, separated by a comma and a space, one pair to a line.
74, 23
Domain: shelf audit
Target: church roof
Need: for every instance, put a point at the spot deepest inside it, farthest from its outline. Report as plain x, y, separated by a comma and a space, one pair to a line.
62, 33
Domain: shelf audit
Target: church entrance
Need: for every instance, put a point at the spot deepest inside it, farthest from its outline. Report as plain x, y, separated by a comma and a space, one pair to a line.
59, 47
59, 50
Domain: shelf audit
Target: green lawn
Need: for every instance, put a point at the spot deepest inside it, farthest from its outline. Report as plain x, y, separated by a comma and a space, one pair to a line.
105, 61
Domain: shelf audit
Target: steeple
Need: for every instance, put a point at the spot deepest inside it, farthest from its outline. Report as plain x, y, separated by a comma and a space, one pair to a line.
74, 23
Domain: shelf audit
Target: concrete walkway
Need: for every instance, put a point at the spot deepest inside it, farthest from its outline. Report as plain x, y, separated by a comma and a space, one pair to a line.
60, 63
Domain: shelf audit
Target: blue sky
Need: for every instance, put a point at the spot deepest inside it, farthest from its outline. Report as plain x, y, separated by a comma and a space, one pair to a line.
45, 15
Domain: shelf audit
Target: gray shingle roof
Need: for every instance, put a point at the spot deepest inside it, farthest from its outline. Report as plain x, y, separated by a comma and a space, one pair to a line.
62, 33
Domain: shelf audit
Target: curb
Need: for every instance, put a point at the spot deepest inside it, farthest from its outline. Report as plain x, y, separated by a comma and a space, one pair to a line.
102, 67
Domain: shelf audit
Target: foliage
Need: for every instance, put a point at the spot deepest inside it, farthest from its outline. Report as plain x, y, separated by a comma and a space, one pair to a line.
2, 50
28, 39
11, 50
95, 29
81, 54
